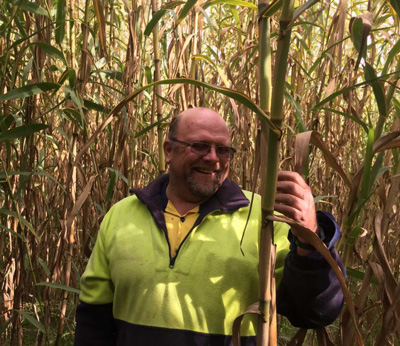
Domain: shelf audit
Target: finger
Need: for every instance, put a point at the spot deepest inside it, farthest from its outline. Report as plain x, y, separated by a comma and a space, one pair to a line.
290, 212
289, 187
289, 200
304, 218
292, 176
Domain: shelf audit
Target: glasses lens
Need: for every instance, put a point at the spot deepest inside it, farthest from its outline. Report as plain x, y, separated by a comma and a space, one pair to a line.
201, 148
224, 152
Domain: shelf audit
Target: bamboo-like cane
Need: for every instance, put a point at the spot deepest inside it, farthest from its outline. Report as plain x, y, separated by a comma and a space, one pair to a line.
267, 330
265, 266
157, 102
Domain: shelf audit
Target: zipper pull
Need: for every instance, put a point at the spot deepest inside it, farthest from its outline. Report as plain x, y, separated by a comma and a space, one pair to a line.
172, 262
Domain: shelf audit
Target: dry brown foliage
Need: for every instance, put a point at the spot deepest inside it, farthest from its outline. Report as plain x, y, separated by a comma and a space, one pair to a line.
69, 65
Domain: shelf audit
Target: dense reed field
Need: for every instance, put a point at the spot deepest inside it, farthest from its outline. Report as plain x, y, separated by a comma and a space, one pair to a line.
79, 126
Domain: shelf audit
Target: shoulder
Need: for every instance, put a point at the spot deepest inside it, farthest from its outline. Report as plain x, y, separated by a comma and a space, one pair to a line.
125, 203
252, 195
122, 210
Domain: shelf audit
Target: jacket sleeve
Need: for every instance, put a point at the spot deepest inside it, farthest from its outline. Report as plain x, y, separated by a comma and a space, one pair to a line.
309, 294
94, 315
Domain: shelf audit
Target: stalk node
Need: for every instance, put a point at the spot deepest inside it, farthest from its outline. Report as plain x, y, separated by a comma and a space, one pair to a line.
263, 307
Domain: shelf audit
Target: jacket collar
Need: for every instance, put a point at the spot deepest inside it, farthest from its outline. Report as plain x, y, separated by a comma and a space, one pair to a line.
228, 198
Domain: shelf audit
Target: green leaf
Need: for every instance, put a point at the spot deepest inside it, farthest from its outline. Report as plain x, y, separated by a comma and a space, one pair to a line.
59, 286
112, 74
185, 10
7, 121
301, 9
95, 106
148, 128
157, 16
60, 21
154, 20
377, 169
379, 94
119, 175
24, 221
298, 115
21, 131
45, 267
236, 16
149, 76
352, 237
111, 185
3, 177
369, 154
100, 209
29, 90
230, 2
51, 50
219, 70
20, 236
356, 32
343, 91
392, 54
71, 77
321, 198
359, 275
396, 105
377, 87
77, 100
360, 28
74, 115
271, 9
32, 320
349, 116
31, 7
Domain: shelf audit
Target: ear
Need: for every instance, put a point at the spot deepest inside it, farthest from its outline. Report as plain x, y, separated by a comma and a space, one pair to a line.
167, 151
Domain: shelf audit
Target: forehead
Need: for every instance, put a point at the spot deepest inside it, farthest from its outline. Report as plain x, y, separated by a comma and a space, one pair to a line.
204, 127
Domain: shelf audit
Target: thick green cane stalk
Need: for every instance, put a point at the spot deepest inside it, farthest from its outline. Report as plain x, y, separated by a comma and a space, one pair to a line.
266, 238
267, 336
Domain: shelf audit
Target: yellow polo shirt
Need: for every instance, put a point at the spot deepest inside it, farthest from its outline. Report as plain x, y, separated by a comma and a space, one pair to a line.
178, 226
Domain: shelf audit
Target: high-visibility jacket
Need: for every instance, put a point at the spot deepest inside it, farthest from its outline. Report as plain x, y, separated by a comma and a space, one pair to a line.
191, 299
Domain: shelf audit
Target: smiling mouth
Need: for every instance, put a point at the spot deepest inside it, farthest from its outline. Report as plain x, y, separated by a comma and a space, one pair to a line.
204, 170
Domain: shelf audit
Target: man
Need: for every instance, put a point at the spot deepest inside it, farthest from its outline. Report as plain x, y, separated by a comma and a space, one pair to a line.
167, 267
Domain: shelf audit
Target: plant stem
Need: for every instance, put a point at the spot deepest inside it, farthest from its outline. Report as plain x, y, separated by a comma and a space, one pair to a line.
268, 336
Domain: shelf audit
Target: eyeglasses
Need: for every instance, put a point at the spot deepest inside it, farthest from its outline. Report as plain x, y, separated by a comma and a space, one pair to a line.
201, 149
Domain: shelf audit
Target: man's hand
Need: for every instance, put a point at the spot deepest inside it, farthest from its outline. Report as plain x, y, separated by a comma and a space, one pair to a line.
294, 199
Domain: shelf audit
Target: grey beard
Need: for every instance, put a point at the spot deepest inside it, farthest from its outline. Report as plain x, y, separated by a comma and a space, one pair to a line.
202, 190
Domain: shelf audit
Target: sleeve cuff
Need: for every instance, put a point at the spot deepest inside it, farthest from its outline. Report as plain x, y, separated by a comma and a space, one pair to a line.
328, 232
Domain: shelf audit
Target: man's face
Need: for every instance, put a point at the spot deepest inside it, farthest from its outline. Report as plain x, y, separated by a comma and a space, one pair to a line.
194, 177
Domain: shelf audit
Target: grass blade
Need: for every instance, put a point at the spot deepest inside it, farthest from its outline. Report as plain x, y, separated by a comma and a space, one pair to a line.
21, 131
32, 320
29, 90
59, 286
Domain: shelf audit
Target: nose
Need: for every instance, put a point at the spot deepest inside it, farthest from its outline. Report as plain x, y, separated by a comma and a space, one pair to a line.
211, 156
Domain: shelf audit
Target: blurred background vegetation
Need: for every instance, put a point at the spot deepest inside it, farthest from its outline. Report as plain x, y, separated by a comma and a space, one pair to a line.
72, 141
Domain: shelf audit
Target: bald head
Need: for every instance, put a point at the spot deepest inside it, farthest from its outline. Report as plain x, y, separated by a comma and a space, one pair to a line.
196, 116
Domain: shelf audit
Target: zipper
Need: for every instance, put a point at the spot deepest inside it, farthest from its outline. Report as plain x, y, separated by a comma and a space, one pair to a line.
172, 260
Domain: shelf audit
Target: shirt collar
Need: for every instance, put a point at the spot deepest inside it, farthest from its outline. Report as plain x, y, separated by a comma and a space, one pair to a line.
228, 198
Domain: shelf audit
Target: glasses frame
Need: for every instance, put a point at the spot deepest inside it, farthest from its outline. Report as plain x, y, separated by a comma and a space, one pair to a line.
232, 150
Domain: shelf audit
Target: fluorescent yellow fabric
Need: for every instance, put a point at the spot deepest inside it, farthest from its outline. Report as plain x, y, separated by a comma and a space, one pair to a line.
178, 225
209, 285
